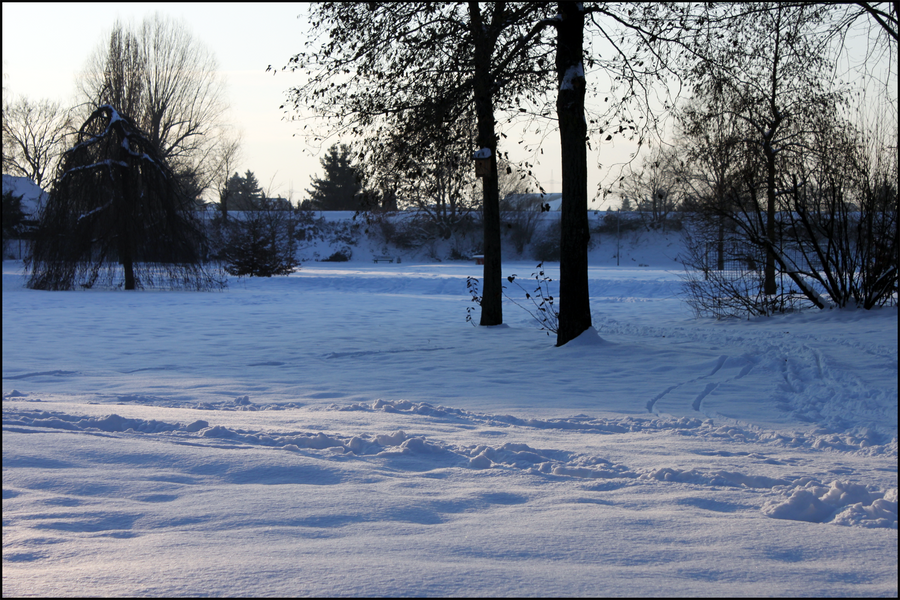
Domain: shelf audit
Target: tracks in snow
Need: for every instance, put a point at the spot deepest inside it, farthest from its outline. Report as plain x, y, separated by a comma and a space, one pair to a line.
744, 364
793, 497
811, 379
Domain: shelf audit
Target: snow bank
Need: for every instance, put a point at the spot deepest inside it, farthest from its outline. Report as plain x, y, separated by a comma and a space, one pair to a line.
840, 503
803, 498
111, 423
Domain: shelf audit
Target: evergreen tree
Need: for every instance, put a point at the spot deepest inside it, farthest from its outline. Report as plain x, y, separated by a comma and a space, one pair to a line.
339, 188
262, 242
243, 193
250, 190
13, 218
12, 214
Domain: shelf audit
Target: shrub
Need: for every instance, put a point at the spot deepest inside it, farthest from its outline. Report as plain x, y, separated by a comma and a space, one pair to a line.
621, 222
339, 256
12, 214
261, 244
545, 247
520, 225
545, 313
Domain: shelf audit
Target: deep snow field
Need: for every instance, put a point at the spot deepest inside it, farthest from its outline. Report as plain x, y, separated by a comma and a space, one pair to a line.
345, 432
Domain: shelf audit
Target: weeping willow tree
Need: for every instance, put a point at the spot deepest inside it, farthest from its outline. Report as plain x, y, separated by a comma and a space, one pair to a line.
117, 217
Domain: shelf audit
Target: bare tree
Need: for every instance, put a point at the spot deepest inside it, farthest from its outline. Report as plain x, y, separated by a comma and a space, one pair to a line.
430, 175
878, 21
772, 62
658, 188
34, 136
226, 159
883, 13
520, 209
414, 67
842, 222
168, 83
832, 237
640, 37
836, 230
411, 66
710, 140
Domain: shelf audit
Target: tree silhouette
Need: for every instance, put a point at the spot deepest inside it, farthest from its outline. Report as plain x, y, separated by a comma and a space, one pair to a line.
416, 68
169, 83
243, 193
339, 187
34, 136
117, 216
262, 242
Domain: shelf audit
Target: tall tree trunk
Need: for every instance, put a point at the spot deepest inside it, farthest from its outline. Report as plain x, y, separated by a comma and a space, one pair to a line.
492, 293
770, 287
574, 297
128, 267
722, 207
126, 197
124, 235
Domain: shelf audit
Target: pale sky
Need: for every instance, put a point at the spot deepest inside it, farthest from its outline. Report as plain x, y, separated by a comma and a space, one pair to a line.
45, 46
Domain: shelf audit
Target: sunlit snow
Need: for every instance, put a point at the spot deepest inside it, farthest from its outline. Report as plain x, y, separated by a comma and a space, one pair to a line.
345, 431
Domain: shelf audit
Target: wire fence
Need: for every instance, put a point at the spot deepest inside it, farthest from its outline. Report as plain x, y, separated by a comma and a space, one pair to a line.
735, 258
733, 276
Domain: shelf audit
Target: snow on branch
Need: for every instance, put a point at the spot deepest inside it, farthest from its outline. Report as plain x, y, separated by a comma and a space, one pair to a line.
96, 210
103, 163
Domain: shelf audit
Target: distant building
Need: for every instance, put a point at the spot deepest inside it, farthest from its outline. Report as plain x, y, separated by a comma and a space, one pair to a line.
33, 197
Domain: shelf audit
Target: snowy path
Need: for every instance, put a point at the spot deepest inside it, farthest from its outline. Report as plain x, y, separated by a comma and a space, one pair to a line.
345, 432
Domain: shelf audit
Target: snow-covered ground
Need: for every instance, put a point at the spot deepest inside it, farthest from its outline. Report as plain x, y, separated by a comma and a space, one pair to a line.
345, 431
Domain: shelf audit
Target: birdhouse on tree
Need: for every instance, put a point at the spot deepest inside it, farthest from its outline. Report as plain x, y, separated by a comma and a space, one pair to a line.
483, 162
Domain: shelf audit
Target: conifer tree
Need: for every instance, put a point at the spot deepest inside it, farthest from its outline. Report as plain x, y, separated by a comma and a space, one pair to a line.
243, 193
13, 218
339, 187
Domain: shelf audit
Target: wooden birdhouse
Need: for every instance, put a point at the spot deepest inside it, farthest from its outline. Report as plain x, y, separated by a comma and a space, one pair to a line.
483, 162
